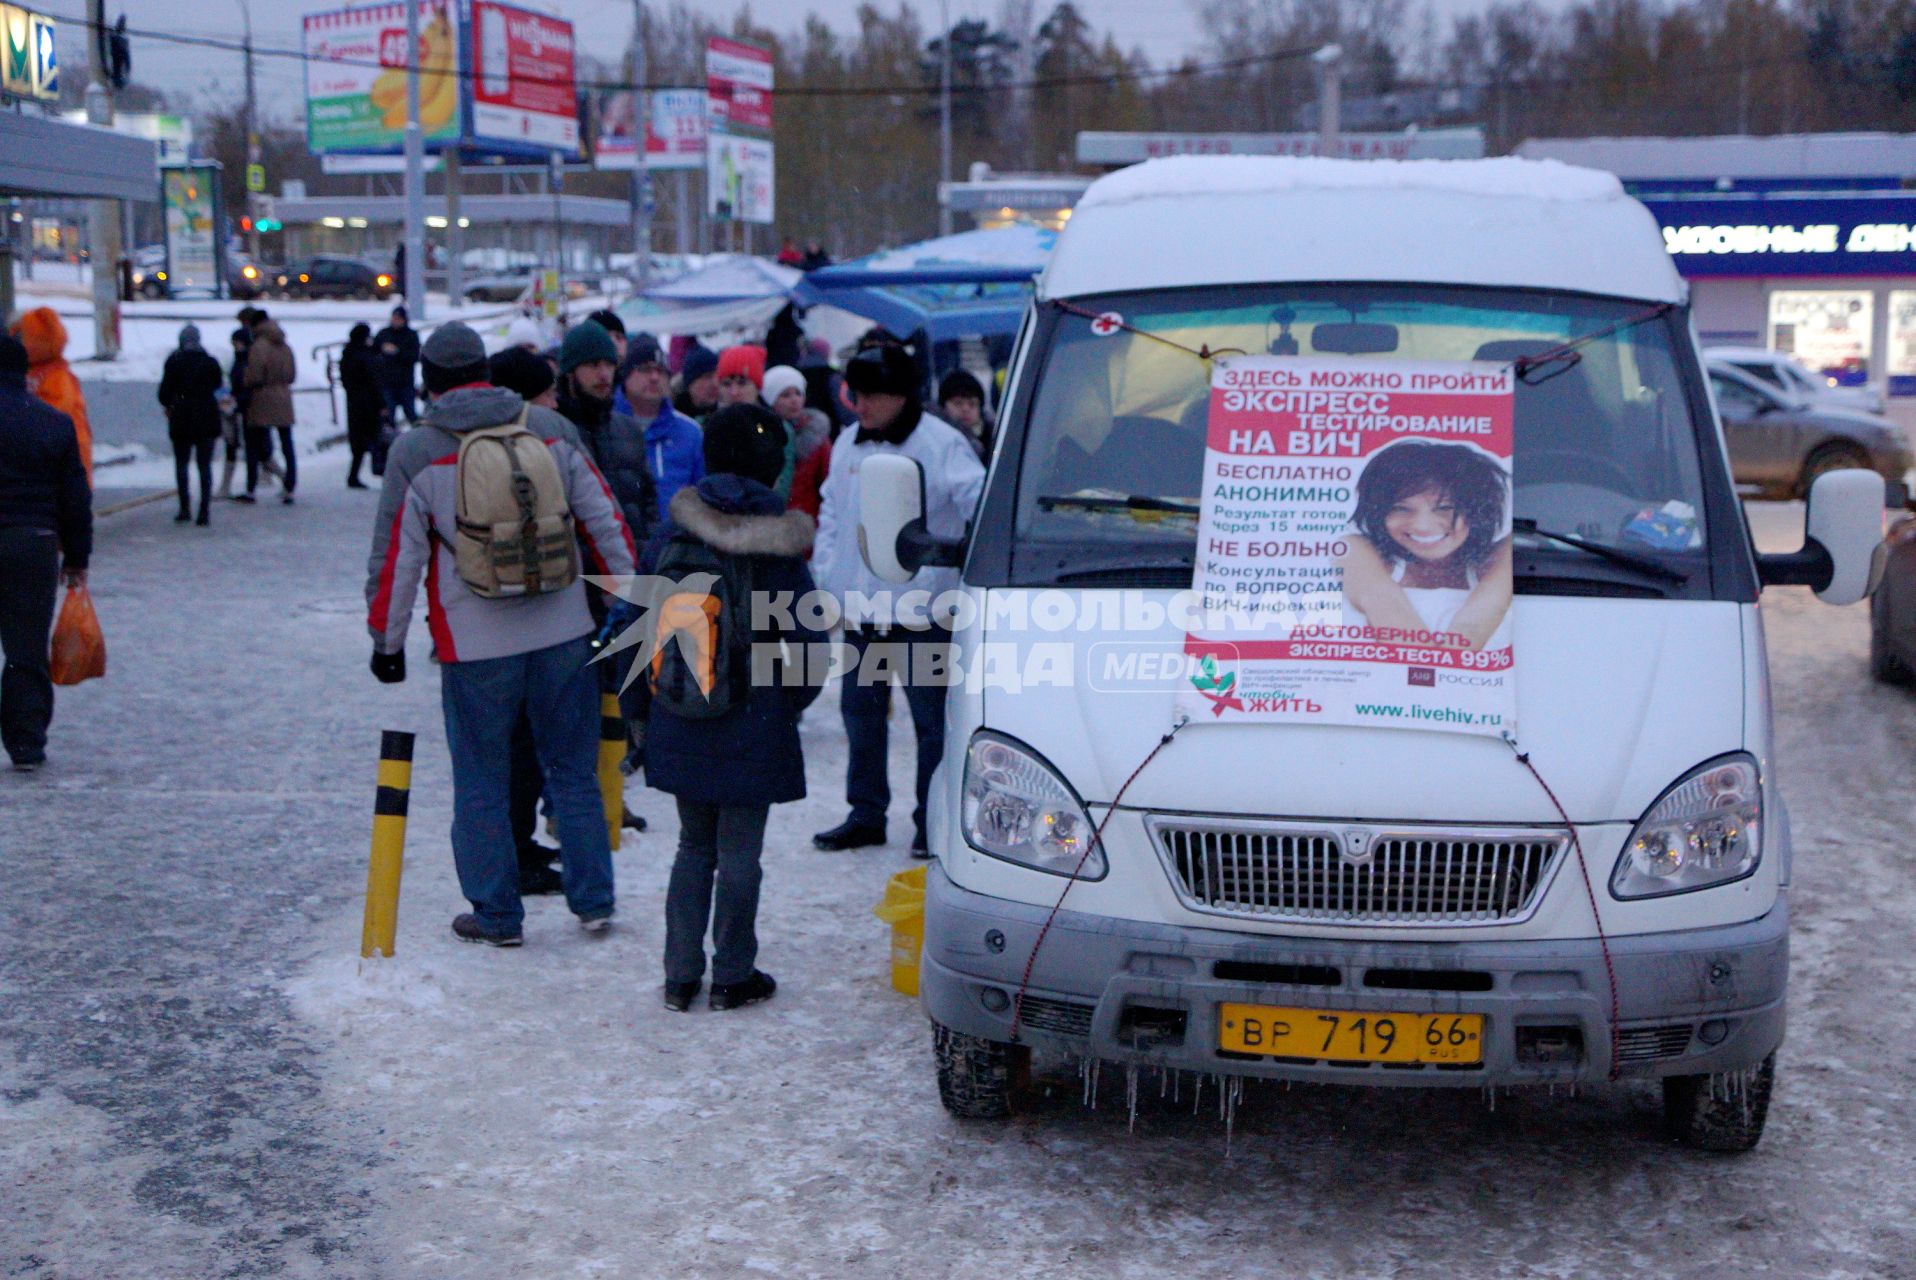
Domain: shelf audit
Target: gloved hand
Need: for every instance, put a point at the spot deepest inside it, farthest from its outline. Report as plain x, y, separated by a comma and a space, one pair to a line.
619, 614
390, 668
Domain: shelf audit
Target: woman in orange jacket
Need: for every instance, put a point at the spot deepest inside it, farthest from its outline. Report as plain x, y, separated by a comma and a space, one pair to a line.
48, 376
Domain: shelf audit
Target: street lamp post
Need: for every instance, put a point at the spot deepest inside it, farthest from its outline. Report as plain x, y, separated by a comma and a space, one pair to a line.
944, 118
253, 153
415, 229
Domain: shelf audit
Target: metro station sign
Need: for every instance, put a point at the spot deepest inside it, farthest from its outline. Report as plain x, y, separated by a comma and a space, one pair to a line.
29, 64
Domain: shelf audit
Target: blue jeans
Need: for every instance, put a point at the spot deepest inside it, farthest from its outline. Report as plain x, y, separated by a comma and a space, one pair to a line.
865, 708
483, 700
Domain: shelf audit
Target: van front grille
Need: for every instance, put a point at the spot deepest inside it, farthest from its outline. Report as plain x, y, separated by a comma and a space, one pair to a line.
1356, 875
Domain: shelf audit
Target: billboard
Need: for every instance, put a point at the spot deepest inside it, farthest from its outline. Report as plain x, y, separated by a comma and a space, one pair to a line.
738, 178
31, 66
738, 85
522, 74
356, 77
675, 138
190, 195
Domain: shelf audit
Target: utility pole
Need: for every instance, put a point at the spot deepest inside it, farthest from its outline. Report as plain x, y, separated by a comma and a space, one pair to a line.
944, 118
253, 154
455, 238
641, 175
103, 216
1330, 94
415, 228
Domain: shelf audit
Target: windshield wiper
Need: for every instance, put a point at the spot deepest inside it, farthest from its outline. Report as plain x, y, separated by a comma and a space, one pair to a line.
1135, 502
1642, 564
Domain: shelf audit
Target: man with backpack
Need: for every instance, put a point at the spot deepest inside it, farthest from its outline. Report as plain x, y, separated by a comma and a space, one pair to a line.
723, 733
489, 502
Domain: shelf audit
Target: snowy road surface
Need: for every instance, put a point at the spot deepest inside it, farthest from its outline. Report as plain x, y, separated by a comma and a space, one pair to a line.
197, 1079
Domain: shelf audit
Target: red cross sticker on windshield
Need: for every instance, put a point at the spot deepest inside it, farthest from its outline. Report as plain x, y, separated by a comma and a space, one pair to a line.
1107, 324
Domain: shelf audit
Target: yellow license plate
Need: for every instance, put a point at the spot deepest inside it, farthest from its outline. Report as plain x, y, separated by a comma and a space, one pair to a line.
1337, 1035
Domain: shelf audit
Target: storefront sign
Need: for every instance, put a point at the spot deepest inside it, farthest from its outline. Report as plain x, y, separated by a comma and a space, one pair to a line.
738, 85
522, 79
356, 77
738, 178
1353, 560
1828, 236
1425, 144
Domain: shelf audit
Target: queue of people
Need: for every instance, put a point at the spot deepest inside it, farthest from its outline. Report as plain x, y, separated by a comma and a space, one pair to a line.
731, 467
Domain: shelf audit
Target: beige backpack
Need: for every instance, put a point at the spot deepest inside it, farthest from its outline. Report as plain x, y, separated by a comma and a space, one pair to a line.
514, 532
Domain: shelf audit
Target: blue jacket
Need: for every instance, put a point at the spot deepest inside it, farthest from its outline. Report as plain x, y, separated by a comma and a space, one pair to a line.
675, 451
750, 755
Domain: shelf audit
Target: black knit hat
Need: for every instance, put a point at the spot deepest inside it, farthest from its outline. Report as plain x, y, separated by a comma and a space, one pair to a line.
745, 440
608, 319
517, 369
883, 370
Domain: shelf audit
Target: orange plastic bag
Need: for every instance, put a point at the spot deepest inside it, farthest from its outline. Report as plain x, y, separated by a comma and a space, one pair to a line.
79, 648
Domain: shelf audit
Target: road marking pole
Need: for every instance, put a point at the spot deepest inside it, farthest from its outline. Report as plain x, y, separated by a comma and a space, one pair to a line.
611, 752
389, 844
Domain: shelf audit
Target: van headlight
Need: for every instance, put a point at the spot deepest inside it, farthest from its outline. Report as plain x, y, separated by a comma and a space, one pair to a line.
1706, 830
1016, 807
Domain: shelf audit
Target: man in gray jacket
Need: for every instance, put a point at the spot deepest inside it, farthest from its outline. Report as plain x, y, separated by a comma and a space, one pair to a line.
499, 658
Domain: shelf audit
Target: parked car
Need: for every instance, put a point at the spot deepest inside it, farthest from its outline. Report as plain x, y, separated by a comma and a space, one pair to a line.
1786, 374
330, 277
149, 272
1780, 444
1892, 612
506, 286
1290, 890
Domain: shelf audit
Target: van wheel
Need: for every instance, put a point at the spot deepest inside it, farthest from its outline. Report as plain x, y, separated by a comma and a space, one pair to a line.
1828, 458
1722, 1111
977, 1077
1884, 665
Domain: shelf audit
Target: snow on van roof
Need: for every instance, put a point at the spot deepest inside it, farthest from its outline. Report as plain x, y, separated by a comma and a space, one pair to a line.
1180, 177
1193, 221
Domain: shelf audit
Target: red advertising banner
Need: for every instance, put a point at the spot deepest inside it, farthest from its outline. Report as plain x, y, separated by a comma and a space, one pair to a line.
738, 85
523, 79
1354, 545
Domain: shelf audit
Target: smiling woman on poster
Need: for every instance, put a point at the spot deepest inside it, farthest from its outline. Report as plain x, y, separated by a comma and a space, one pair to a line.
1435, 553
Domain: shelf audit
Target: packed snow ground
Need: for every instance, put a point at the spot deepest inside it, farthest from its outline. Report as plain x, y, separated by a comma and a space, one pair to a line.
198, 1077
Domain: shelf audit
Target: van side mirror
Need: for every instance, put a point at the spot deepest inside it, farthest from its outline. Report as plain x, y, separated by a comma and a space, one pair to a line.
892, 536
1842, 555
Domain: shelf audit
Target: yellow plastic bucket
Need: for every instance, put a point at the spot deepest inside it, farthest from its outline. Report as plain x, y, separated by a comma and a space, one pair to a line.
903, 908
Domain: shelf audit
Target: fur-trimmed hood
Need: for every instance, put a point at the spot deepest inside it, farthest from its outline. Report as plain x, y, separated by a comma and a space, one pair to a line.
719, 511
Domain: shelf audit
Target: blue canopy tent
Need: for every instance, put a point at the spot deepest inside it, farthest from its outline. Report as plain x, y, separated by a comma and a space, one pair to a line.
973, 284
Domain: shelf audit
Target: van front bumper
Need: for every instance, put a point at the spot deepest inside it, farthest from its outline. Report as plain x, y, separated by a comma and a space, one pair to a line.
1690, 1002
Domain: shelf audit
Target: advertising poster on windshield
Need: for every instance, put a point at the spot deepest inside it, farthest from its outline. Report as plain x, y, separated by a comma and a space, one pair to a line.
522, 79
356, 77
1353, 559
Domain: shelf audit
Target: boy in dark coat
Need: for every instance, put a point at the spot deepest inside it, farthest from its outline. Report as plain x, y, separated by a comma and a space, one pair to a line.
726, 772
190, 394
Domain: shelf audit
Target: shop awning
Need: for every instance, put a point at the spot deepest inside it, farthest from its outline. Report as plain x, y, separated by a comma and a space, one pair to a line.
40, 156
975, 283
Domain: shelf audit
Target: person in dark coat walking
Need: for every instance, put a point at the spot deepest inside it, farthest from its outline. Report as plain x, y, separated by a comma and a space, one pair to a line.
270, 372
398, 361
46, 534
365, 406
727, 772
190, 394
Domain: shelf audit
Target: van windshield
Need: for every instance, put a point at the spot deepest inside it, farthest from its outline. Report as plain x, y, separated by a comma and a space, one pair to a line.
1605, 446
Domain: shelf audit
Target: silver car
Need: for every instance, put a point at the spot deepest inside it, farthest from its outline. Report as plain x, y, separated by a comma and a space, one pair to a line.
1786, 374
1779, 445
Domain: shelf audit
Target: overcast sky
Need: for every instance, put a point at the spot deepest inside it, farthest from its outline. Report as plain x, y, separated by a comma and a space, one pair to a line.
1164, 29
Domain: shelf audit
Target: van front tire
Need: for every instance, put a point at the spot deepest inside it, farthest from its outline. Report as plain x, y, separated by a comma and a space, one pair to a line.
977, 1078
1722, 1112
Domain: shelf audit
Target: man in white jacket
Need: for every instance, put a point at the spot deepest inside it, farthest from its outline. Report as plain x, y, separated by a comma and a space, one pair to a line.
884, 385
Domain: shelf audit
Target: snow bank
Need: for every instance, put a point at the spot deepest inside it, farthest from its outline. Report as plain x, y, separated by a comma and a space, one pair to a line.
1177, 177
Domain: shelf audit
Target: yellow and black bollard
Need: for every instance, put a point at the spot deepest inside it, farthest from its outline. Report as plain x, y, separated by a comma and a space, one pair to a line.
611, 752
389, 844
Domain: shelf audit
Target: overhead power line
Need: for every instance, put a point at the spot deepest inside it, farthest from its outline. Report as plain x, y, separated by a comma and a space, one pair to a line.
794, 91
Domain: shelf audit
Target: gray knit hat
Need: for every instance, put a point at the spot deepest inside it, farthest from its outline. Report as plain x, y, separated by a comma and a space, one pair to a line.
454, 345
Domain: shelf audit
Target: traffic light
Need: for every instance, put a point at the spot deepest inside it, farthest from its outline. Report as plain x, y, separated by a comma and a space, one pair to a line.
268, 224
